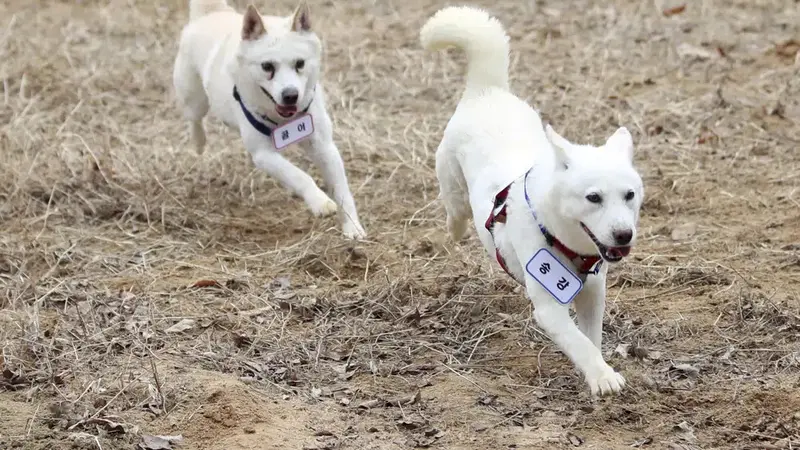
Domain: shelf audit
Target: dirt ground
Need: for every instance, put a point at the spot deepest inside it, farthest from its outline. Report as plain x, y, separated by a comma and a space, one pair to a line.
148, 291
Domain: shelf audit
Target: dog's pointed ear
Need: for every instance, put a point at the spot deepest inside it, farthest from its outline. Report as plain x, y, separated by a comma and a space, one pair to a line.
301, 21
560, 146
252, 25
622, 141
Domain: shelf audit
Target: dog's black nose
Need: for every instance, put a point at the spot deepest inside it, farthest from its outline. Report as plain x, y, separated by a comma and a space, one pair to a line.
623, 237
289, 96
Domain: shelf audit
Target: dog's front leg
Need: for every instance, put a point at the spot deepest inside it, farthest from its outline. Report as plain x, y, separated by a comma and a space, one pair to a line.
294, 179
554, 319
590, 305
325, 155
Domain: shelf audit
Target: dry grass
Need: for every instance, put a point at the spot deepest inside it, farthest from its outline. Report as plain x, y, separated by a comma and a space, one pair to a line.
304, 340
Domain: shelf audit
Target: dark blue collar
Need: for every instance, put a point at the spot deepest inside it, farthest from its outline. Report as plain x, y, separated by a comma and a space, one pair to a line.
259, 125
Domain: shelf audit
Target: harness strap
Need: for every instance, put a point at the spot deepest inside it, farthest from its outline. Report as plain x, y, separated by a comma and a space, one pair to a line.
499, 214
586, 265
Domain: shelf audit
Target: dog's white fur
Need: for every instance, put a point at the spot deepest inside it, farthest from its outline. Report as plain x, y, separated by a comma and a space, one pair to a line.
492, 139
219, 48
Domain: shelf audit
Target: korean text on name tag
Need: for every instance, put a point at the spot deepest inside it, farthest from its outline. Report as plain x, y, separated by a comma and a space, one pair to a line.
554, 276
293, 132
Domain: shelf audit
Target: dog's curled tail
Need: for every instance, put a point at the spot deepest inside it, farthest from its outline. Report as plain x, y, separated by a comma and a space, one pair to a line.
480, 35
199, 8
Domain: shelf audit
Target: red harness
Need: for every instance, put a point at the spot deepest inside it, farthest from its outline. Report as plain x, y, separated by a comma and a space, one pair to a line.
498, 214
586, 265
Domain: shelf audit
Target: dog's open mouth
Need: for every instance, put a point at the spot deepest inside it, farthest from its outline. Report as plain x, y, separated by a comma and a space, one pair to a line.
286, 111
610, 254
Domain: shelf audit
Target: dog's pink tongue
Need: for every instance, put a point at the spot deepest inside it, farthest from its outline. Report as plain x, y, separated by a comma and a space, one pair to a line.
286, 110
619, 252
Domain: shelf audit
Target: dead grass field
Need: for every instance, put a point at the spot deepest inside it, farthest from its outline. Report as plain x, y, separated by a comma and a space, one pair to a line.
299, 339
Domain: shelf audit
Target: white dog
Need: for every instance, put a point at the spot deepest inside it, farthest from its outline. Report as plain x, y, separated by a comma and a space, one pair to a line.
260, 75
550, 211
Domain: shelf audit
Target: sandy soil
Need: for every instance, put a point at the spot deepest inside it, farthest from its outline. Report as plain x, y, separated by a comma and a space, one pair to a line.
298, 339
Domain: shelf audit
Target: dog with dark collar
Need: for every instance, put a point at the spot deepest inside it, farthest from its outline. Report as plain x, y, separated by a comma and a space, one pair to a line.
260, 75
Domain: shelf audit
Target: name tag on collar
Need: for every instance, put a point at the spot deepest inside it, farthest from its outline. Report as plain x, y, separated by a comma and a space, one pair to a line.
292, 132
554, 276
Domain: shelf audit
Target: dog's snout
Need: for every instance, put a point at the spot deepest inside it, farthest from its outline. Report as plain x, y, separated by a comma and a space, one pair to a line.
290, 96
623, 237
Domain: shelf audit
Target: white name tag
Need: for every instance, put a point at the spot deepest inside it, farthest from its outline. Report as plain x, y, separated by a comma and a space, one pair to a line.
292, 132
554, 276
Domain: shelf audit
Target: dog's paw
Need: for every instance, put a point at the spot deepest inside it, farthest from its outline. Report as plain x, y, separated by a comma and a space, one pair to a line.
353, 230
323, 206
606, 381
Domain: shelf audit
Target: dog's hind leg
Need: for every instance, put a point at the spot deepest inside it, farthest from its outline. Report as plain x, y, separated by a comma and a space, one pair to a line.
454, 197
457, 222
192, 99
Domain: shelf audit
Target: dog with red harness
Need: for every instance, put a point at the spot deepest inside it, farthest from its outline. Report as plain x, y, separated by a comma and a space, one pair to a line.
552, 213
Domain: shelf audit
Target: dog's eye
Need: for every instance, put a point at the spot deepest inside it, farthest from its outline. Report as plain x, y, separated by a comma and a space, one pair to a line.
629, 196
594, 198
299, 64
268, 67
